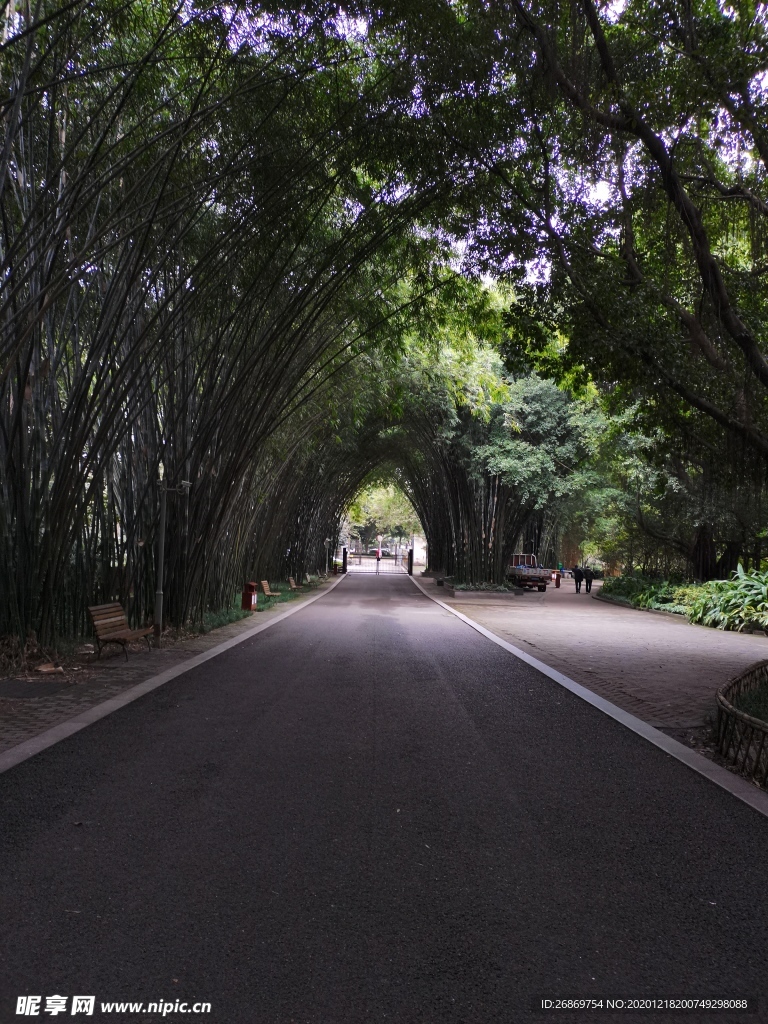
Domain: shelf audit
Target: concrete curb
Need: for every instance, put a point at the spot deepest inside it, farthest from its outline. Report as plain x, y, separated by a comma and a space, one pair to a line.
733, 784
22, 751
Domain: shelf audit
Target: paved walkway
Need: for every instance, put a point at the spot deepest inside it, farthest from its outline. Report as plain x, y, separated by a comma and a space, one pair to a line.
370, 812
95, 681
656, 666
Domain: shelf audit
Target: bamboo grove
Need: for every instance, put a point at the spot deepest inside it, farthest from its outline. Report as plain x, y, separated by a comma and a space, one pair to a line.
229, 230
191, 251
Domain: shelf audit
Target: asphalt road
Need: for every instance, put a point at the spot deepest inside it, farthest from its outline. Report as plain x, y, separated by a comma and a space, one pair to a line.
371, 813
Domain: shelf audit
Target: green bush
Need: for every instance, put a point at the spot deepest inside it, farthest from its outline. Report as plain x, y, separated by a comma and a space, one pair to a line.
735, 604
648, 592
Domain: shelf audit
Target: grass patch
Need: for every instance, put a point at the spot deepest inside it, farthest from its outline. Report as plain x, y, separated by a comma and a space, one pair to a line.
223, 617
214, 620
286, 594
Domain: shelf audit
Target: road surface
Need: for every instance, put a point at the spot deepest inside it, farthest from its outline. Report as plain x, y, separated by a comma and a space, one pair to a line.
370, 812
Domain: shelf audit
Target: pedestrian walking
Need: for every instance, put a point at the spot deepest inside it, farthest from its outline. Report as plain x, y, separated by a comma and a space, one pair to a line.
588, 577
578, 576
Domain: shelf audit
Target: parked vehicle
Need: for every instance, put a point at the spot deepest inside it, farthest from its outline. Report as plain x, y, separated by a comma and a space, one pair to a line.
524, 571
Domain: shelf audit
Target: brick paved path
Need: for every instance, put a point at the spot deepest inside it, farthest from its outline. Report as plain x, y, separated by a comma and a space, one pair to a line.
656, 666
98, 681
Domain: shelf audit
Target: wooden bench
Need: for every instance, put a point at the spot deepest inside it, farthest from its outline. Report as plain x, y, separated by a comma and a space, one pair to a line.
295, 587
267, 592
309, 581
111, 626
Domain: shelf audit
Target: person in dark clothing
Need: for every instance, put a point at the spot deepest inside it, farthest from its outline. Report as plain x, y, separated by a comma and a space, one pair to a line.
588, 577
578, 575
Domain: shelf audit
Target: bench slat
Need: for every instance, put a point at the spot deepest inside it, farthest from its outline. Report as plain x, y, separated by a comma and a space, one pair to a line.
109, 617
111, 626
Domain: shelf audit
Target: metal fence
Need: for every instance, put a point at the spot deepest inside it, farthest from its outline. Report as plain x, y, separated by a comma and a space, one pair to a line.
742, 739
367, 563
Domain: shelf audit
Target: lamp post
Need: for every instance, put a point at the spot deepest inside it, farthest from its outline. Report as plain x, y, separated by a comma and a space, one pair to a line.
327, 548
164, 490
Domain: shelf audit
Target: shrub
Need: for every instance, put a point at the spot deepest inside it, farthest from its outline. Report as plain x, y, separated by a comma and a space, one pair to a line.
485, 586
648, 592
735, 604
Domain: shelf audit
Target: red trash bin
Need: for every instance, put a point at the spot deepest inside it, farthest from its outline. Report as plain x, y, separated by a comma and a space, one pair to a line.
250, 597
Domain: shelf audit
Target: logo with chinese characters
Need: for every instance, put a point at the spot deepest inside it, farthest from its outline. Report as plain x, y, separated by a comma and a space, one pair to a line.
30, 1006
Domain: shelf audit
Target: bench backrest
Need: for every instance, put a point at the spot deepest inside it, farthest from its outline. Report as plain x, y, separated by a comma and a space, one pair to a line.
265, 587
108, 618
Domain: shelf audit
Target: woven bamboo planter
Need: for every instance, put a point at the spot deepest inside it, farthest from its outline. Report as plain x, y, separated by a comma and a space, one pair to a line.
742, 739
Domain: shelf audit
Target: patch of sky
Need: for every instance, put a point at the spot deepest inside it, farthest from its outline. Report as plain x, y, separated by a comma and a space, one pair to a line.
347, 26
538, 271
13, 24
258, 29
613, 10
353, 209
392, 192
417, 108
600, 193
87, 270
758, 87
594, 195
727, 138
735, 12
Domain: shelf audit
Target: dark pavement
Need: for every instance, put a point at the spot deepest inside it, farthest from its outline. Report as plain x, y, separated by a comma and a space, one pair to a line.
369, 812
